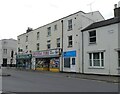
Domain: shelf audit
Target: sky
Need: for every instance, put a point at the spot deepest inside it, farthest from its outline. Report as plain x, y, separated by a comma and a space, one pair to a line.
17, 15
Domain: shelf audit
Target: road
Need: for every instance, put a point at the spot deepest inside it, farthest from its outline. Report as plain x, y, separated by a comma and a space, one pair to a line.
29, 81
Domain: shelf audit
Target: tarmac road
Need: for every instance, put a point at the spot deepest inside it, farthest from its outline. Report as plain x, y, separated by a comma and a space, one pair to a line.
29, 81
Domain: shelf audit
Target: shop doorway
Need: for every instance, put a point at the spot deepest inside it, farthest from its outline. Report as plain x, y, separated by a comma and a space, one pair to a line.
4, 62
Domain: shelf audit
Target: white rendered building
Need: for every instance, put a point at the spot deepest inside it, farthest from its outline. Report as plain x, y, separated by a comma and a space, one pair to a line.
8, 49
59, 41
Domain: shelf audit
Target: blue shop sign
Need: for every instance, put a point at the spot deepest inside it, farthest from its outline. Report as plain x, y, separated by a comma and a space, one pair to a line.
69, 54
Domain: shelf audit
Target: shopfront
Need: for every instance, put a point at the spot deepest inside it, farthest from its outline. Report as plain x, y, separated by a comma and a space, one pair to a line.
48, 60
24, 61
69, 61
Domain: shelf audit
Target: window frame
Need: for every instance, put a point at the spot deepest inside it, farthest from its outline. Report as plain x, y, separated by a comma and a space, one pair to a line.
92, 37
48, 44
70, 26
27, 38
70, 42
55, 27
58, 42
93, 60
49, 31
38, 35
4, 51
38, 46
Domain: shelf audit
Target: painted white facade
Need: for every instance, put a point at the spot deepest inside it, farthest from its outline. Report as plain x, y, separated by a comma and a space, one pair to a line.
106, 42
6, 48
80, 20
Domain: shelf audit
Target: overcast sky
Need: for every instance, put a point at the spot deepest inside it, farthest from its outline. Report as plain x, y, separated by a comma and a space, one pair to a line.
17, 15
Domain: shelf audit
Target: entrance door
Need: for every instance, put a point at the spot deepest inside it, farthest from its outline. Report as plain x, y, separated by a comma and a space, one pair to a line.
4, 62
73, 66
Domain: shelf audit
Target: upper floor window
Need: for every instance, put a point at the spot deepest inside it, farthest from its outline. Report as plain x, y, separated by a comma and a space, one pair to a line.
26, 47
118, 58
69, 24
48, 44
70, 41
26, 38
92, 37
5, 51
96, 59
49, 31
18, 41
55, 27
38, 35
38, 46
58, 42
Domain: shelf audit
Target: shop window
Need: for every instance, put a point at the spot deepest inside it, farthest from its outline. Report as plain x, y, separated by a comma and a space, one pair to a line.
69, 24
92, 37
96, 59
54, 63
58, 42
67, 62
70, 41
118, 58
73, 61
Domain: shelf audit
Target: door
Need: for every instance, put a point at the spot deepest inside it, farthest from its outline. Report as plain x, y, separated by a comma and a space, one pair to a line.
73, 66
4, 62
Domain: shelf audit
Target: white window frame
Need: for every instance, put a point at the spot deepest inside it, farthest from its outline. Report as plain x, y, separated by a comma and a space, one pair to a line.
49, 31
38, 35
90, 37
26, 38
48, 44
5, 51
70, 41
92, 60
70, 25
38, 46
58, 42
55, 27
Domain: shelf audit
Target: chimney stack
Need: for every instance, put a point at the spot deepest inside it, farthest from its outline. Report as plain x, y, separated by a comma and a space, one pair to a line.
117, 10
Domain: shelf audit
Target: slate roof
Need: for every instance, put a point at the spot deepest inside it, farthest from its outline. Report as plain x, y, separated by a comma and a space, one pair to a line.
102, 23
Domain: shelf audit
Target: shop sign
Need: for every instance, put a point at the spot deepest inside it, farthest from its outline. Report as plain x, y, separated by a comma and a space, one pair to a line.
69, 54
46, 53
24, 56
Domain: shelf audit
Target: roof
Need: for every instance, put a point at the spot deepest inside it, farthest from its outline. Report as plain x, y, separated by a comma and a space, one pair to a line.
102, 23
62, 19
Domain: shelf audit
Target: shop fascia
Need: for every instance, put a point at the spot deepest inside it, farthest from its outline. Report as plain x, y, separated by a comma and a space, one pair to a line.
47, 53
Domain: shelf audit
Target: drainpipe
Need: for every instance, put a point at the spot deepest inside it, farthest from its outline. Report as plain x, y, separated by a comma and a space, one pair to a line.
82, 53
62, 49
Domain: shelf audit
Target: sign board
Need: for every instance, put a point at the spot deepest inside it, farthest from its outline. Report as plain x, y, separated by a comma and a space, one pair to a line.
69, 54
46, 53
24, 56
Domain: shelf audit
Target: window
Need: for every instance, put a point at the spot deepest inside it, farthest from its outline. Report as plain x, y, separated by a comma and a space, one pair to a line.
38, 35
37, 46
69, 41
96, 59
73, 61
58, 42
26, 47
5, 51
18, 41
92, 37
55, 27
69, 25
26, 38
67, 62
48, 44
49, 31
118, 58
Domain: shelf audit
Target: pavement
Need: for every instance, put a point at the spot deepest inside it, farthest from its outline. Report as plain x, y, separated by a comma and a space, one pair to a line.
107, 78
